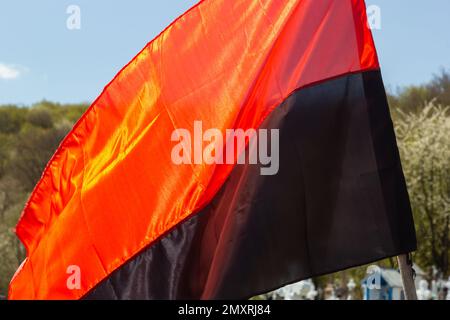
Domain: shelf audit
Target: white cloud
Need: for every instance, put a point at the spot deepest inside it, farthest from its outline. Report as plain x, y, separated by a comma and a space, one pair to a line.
9, 72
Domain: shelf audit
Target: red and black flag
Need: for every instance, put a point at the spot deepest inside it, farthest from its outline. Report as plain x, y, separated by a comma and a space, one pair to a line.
114, 205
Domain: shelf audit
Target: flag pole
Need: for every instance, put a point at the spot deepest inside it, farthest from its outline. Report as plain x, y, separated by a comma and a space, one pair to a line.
407, 272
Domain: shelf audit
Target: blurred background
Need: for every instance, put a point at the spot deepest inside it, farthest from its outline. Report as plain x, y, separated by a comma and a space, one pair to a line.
56, 57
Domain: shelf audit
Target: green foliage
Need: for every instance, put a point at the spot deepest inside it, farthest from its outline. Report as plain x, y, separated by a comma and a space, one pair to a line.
424, 143
8, 257
11, 119
415, 98
40, 118
28, 138
33, 149
4, 149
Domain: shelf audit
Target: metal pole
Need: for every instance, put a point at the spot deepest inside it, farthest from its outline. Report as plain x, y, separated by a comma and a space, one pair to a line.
406, 270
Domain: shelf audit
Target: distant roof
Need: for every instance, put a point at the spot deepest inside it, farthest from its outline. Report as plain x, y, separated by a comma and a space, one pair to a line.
392, 277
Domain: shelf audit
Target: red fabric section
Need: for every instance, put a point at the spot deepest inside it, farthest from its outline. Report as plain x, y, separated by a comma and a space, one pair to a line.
111, 189
367, 54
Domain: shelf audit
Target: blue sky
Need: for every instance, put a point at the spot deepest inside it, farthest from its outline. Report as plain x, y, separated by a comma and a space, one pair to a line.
41, 59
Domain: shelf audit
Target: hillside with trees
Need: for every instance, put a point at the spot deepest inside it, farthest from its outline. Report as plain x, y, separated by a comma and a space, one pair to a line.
28, 138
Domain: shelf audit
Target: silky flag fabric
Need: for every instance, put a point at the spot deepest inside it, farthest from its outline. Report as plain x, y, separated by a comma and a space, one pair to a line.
114, 206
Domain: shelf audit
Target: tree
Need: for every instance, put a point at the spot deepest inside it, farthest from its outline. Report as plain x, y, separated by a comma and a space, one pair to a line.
40, 118
10, 197
33, 149
414, 98
11, 119
424, 140
8, 257
4, 153
28, 138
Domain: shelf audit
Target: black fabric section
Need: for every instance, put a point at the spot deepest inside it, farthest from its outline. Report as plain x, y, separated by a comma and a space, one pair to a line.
339, 200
